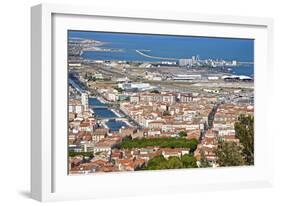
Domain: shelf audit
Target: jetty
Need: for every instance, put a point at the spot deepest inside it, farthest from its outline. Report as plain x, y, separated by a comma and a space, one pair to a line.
154, 57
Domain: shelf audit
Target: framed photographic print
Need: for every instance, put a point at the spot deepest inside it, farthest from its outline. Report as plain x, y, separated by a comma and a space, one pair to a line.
137, 102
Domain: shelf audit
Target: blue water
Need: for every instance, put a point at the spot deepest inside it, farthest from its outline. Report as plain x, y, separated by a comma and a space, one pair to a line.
104, 113
115, 125
247, 70
76, 83
169, 46
95, 101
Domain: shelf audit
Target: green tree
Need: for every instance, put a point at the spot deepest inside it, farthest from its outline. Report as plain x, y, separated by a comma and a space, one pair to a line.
156, 163
182, 134
120, 90
84, 154
128, 138
166, 113
188, 161
159, 162
155, 91
203, 160
161, 142
229, 154
244, 131
174, 163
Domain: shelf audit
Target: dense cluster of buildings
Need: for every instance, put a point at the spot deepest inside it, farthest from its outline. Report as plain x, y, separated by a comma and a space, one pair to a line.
201, 116
223, 130
166, 114
121, 159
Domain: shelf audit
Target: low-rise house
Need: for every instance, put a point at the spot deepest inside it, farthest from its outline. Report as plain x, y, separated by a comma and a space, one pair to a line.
75, 106
71, 116
211, 134
186, 98
83, 135
75, 161
130, 164
127, 131
126, 164
156, 124
230, 138
175, 152
150, 155
169, 98
135, 99
99, 134
101, 158
105, 145
138, 134
84, 168
209, 153
115, 155
71, 138
194, 134
88, 146
154, 133
107, 168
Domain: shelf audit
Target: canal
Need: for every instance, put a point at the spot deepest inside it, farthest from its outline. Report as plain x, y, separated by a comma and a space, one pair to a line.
103, 112
106, 113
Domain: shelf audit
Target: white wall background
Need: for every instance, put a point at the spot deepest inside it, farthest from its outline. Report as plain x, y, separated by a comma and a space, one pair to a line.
15, 95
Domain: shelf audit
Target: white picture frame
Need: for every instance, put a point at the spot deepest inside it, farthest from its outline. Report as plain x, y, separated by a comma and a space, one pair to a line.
49, 179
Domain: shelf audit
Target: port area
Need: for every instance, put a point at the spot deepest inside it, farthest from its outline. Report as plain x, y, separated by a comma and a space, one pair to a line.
163, 77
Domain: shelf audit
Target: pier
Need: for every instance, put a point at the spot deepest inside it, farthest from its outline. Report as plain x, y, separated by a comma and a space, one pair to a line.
154, 57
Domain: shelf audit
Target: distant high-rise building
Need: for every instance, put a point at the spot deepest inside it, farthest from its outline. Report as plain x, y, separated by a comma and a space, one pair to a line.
185, 62
193, 59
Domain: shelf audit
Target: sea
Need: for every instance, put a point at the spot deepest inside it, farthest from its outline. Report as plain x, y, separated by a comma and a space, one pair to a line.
170, 46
